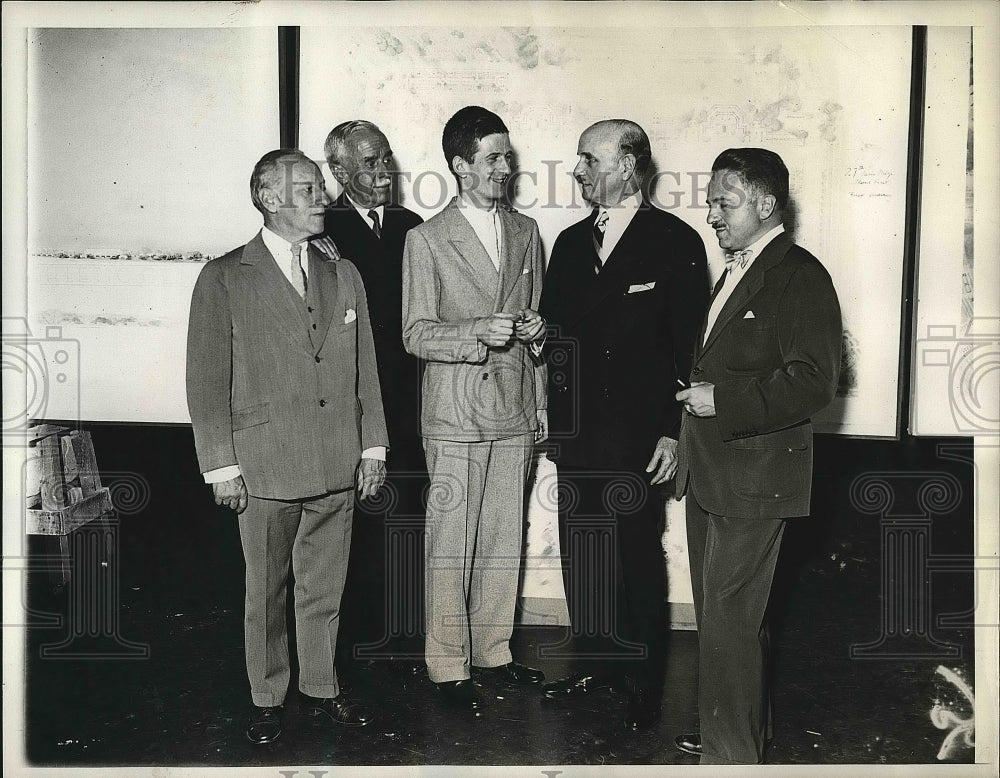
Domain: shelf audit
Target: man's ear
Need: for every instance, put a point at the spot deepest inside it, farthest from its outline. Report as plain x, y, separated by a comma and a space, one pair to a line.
459, 164
340, 173
269, 198
627, 166
765, 206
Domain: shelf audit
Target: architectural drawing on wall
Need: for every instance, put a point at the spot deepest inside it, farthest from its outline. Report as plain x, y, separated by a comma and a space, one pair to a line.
807, 93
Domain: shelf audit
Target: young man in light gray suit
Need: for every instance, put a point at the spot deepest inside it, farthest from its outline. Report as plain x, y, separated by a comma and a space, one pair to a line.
287, 414
472, 279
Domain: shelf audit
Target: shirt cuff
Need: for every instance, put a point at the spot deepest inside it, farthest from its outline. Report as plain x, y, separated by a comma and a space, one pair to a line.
375, 452
220, 474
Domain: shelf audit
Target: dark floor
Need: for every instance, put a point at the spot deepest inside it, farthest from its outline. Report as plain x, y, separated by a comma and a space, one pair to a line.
153, 673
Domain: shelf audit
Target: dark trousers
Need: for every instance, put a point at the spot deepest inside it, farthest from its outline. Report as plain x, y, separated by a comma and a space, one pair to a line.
610, 527
732, 566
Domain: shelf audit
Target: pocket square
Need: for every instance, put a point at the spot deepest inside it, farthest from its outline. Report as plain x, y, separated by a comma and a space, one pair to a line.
641, 287
526, 271
749, 315
350, 316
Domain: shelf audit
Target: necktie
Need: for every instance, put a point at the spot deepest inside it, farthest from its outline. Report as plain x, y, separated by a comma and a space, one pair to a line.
376, 227
739, 258
600, 225
298, 276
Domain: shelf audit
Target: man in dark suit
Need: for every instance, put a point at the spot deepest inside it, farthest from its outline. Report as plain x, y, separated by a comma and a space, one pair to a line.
284, 398
369, 230
625, 291
767, 359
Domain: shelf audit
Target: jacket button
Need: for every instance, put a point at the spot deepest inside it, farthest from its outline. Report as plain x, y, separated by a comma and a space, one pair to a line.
318, 360
314, 326
696, 371
486, 376
322, 403
309, 308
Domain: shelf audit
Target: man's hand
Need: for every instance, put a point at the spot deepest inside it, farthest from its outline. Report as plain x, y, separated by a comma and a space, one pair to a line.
496, 330
529, 326
231, 494
699, 400
664, 460
371, 476
542, 433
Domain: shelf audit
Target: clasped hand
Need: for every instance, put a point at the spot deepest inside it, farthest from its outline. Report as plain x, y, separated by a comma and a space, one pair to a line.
498, 330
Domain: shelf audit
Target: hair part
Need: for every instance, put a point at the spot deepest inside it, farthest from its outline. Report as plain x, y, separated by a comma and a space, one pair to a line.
762, 172
632, 139
335, 147
266, 173
465, 129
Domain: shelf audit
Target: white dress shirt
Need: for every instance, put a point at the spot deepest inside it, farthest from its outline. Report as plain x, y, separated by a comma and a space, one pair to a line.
619, 218
363, 212
486, 225
734, 273
281, 251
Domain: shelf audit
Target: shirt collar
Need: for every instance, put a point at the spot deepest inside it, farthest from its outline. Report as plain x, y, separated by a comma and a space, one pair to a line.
379, 209
763, 241
622, 212
278, 246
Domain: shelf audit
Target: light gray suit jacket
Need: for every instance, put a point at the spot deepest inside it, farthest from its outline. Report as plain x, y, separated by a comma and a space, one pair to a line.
284, 387
471, 392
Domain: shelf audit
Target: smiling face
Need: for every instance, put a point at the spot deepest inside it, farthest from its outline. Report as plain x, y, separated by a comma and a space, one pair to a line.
738, 215
295, 199
365, 169
484, 179
602, 173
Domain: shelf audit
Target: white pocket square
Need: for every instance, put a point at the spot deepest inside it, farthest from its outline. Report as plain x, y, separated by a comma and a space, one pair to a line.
350, 316
641, 287
526, 271
749, 315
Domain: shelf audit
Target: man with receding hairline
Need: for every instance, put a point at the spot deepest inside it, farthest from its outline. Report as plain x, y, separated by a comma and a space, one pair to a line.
624, 294
287, 415
767, 359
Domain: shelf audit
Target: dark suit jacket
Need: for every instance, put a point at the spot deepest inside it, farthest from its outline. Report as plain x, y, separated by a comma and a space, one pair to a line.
772, 371
284, 387
380, 262
616, 347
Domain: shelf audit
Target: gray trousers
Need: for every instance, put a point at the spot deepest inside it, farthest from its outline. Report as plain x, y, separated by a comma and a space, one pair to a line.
312, 538
475, 520
732, 567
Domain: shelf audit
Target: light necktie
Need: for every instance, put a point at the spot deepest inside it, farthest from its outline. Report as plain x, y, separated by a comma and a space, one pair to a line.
738, 258
297, 274
600, 225
376, 227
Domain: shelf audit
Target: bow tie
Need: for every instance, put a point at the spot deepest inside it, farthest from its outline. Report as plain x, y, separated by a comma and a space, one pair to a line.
739, 258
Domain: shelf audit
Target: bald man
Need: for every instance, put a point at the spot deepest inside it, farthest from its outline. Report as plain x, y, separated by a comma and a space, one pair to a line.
625, 292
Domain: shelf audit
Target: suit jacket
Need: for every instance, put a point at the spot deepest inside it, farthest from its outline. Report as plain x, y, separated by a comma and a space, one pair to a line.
774, 357
619, 340
286, 388
380, 262
471, 392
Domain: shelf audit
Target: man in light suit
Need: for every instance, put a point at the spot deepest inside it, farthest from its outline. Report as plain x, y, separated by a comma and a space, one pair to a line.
369, 230
625, 292
287, 414
767, 359
472, 277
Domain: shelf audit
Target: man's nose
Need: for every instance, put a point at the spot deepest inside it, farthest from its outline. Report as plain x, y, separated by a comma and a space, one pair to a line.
578, 170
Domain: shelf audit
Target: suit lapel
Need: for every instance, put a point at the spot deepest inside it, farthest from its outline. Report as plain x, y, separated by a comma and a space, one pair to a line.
749, 285
515, 243
275, 292
466, 243
323, 295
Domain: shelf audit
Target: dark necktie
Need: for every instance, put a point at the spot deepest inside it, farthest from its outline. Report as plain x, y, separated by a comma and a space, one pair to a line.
600, 225
376, 227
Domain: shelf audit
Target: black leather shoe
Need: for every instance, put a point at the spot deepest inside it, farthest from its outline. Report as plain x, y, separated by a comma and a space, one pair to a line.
339, 709
643, 711
460, 695
265, 724
515, 673
577, 685
689, 743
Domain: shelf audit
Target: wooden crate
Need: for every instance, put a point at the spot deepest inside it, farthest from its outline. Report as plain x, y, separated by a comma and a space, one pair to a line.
62, 521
